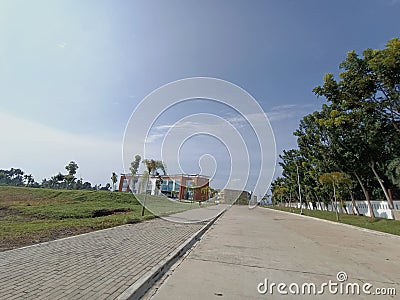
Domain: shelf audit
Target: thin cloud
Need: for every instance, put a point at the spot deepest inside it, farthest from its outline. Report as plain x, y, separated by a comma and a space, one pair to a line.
62, 44
237, 121
288, 111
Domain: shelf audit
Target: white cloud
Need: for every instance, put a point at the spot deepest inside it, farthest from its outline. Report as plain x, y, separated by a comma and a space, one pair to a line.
45, 151
62, 44
289, 111
237, 121
152, 138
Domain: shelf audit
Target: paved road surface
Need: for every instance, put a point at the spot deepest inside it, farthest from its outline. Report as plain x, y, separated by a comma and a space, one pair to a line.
246, 246
96, 265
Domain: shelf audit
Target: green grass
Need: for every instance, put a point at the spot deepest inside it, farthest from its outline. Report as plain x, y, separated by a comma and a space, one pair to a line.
29, 213
378, 224
164, 206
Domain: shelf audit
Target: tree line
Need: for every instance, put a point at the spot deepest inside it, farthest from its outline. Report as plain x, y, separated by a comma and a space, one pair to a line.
17, 177
350, 148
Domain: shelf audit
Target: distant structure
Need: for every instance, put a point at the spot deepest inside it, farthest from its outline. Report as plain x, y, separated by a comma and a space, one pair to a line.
179, 186
230, 196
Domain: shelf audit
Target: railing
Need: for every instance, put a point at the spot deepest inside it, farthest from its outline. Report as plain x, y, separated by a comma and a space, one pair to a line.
381, 208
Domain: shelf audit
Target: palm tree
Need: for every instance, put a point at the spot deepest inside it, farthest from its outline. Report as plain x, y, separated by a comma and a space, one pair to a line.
114, 179
152, 167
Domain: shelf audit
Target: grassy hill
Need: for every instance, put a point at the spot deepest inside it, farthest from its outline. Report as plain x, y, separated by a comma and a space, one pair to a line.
29, 215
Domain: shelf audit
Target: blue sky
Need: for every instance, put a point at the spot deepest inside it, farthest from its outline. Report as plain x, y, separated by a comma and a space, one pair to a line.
72, 72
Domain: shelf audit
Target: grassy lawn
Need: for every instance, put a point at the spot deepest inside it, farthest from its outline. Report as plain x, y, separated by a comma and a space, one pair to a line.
164, 206
29, 215
378, 224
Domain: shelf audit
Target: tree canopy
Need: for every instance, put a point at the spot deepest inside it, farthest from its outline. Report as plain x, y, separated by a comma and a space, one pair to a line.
356, 132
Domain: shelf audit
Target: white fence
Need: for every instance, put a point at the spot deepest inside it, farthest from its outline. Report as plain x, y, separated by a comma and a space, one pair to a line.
381, 208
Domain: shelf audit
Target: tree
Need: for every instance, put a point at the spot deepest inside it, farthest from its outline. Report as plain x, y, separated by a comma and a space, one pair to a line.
370, 81
70, 177
208, 191
356, 132
56, 180
393, 171
72, 167
152, 166
105, 188
29, 180
114, 179
135, 165
335, 179
279, 192
12, 177
363, 132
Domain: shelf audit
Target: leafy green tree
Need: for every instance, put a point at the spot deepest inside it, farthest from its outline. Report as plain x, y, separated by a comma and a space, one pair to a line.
393, 171
356, 132
336, 179
105, 188
57, 180
278, 188
12, 177
72, 167
29, 180
135, 165
369, 81
153, 166
363, 135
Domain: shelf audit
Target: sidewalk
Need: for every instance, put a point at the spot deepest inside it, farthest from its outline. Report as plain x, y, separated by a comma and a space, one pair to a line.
245, 247
96, 265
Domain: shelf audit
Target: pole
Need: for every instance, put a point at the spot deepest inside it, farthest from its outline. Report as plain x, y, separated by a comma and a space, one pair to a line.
298, 182
145, 195
336, 204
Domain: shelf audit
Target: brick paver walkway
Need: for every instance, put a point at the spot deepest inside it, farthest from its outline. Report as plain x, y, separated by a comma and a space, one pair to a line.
96, 265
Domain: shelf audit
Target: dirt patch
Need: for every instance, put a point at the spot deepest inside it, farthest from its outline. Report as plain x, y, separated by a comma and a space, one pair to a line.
107, 212
13, 214
40, 237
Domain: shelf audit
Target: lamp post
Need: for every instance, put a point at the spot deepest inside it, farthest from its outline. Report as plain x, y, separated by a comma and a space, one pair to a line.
145, 195
298, 183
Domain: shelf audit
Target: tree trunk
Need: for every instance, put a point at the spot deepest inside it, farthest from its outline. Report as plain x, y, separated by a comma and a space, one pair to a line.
319, 203
353, 203
380, 181
344, 206
336, 205
391, 199
372, 215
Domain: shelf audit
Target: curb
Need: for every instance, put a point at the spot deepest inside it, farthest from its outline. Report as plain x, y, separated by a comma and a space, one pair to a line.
337, 223
144, 283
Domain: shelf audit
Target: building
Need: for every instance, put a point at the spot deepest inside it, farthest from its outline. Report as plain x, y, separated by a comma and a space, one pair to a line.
179, 186
230, 196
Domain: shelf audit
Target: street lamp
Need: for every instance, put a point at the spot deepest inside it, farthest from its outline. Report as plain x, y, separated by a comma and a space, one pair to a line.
298, 183
145, 194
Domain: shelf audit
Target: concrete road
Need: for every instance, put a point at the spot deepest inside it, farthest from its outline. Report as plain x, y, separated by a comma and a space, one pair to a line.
246, 248
199, 214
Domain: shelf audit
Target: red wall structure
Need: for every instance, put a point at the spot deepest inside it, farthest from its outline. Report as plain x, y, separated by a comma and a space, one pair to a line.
192, 187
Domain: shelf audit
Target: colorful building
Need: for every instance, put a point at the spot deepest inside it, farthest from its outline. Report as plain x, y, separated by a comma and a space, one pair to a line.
179, 186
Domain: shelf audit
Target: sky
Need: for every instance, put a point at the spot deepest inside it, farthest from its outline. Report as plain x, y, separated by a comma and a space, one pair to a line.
72, 74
